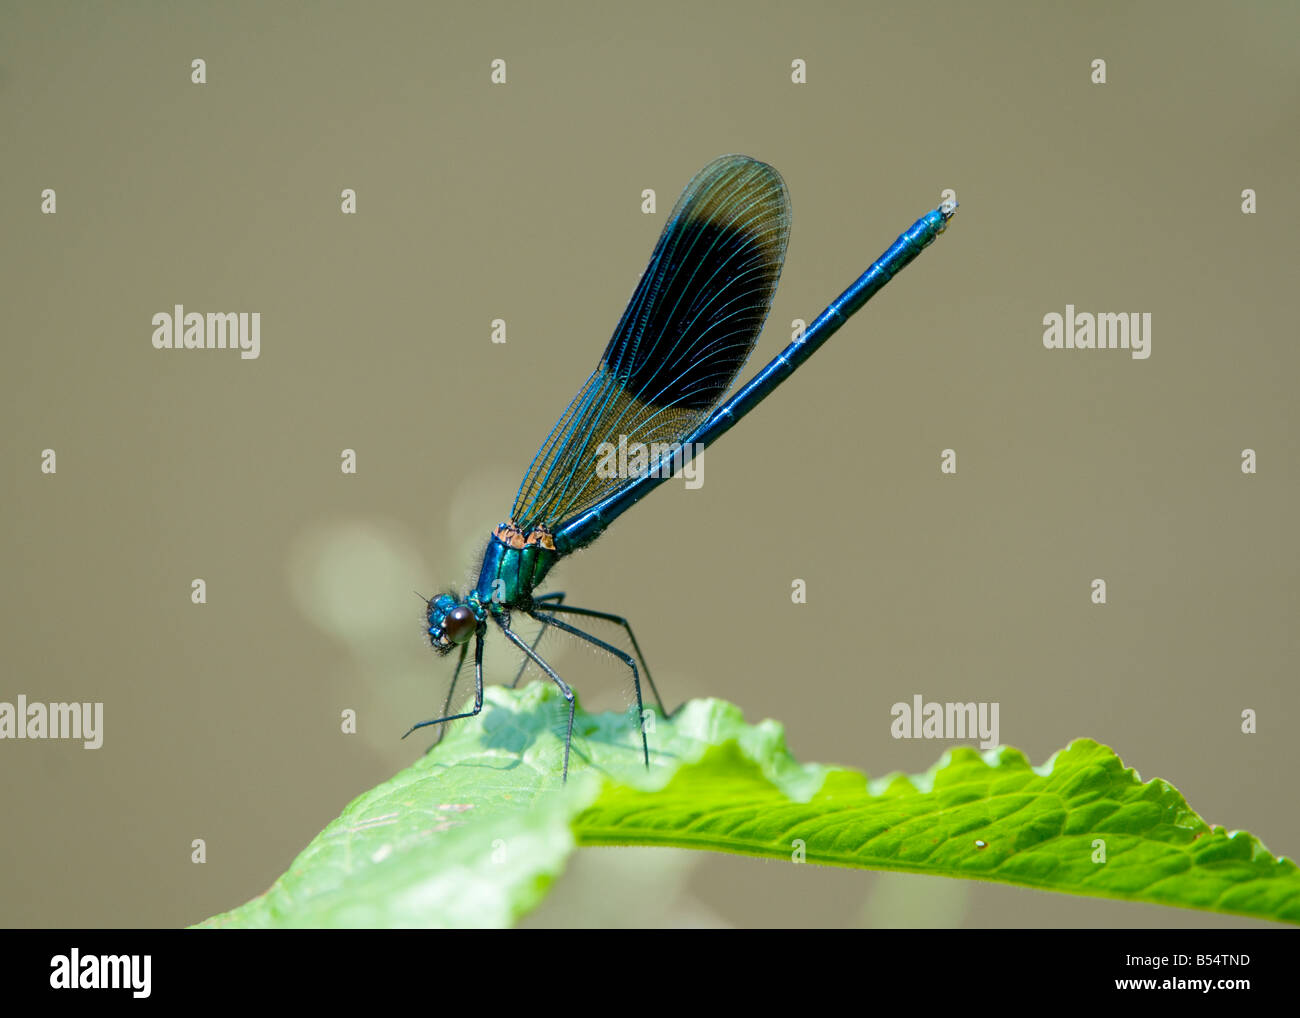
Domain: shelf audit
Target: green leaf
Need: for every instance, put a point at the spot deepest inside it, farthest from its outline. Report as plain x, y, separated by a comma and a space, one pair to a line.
474, 833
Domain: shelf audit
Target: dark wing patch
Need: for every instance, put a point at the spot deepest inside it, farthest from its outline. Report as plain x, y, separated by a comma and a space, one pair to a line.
689, 328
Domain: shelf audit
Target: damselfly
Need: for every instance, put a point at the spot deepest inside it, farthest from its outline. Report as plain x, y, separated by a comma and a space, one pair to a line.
693, 319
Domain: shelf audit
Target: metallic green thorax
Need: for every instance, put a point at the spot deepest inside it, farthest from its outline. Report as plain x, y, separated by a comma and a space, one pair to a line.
514, 564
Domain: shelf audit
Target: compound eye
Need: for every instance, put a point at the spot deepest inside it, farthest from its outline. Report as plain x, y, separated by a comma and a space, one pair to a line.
459, 624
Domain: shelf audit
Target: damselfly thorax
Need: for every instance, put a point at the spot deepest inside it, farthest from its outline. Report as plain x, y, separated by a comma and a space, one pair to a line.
514, 564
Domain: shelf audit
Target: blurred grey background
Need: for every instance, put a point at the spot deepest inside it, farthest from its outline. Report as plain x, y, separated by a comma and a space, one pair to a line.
522, 202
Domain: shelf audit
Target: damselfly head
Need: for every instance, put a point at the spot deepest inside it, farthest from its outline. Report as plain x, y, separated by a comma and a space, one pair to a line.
451, 623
